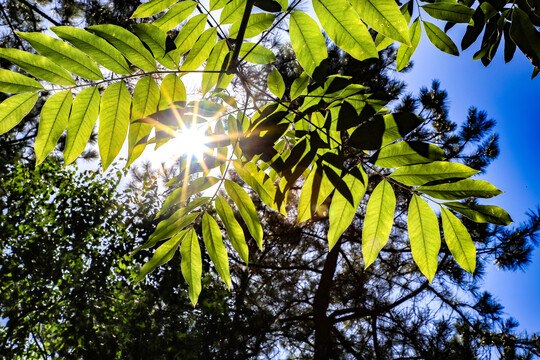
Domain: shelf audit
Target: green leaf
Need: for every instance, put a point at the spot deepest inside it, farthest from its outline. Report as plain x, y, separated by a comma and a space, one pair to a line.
345, 28
192, 264
128, 44
384, 130
152, 8
14, 109
200, 50
181, 194
378, 221
162, 255
247, 210
276, 85
307, 41
12, 82
461, 190
299, 85
156, 39
189, 33
70, 58
440, 39
217, 4
342, 211
406, 153
257, 23
39, 66
232, 11
84, 113
458, 240
215, 248
481, 213
97, 48
215, 63
438, 170
314, 191
175, 15
172, 90
169, 227
384, 17
52, 123
424, 235
447, 11
524, 34
113, 121
405, 52
234, 229
256, 54
145, 102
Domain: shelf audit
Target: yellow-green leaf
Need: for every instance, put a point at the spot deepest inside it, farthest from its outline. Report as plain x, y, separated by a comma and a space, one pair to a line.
14, 109
384, 17
128, 44
378, 221
276, 85
459, 241
345, 28
145, 102
192, 264
256, 54
425, 237
200, 50
314, 191
440, 39
12, 82
172, 90
39, 66
216, 63
299, 85
421, 174
461, 189
307, 41
232, 11
234, 229
113, 121
247, 210
152, 7
70, 58
215, 248
481, 213
342, 211
405, 52
52, 123
189, 34
175, 15
407, 153
257, 23
97, 48
84, 113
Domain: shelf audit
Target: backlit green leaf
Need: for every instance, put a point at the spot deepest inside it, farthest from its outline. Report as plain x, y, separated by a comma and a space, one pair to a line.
405, 52
256, 54
448, 11
52, 123
169, 228
438, 170
232, 11
97, 48
156, 39
70, 58
200, 50
14, 109
128, 44
276, 85
181, 194
172, 90
215, 248
345, 28
39, 66
461, 190
215, 63
145, 102
378, 221
247, 210
84, 113
234, 229
524, 34
407, 153
217, 4
314, 191
162, 255
342, 211
189, 33
299, 85
175, 15
481, 213
458, 240
113, 121
425, 237
440, 39
307, 41
12, 82
152, 7
192, 264
257, 23
384, 17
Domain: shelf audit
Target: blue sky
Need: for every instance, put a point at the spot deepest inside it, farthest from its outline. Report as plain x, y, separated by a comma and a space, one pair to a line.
509, 96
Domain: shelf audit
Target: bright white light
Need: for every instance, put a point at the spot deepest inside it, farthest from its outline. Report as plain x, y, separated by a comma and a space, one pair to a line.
190, 141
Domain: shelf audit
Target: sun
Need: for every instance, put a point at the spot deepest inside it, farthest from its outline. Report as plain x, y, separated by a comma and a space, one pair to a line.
190, 141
